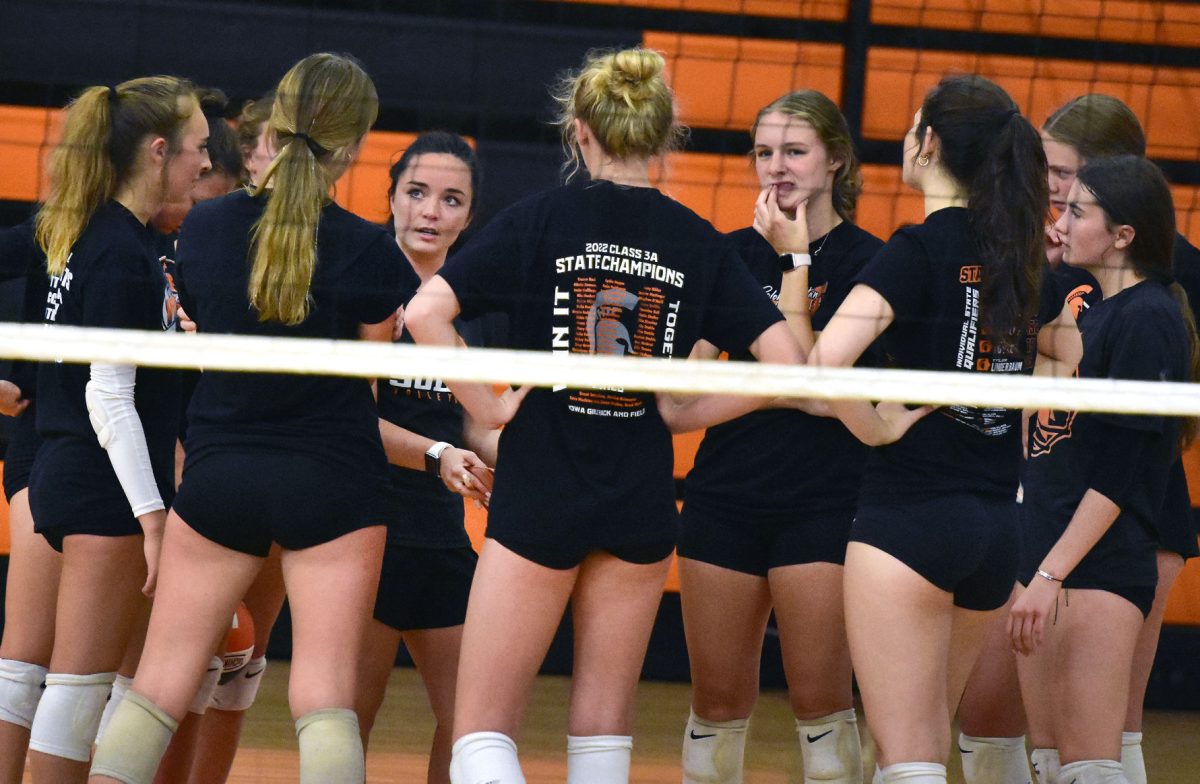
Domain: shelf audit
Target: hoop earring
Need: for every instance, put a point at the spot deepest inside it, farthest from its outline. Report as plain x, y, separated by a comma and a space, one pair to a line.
922, 160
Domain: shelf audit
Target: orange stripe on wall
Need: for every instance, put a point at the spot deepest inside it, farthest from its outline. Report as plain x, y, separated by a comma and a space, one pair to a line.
1171, 24
824, 10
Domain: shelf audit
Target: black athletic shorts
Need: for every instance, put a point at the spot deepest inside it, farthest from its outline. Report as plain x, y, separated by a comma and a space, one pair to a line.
564, 557
18, 457
424, 588
964, 544
70, 493
245, 499
754, 546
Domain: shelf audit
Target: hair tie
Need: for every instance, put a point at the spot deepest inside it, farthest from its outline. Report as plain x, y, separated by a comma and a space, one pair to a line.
316, 149
113, 97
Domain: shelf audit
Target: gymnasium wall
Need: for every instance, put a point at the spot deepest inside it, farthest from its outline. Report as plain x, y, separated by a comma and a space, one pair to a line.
482, 68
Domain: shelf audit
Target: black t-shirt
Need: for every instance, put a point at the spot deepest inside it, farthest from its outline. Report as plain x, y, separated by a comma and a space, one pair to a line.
20, 257
930, 274
420, 511
113, 279
360, 277
780, 463
1137, 334
599, 268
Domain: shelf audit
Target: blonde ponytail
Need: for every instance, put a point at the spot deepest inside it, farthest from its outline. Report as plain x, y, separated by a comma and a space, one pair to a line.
323, 106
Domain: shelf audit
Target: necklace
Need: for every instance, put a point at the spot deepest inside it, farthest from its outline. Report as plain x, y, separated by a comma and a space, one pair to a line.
821, 247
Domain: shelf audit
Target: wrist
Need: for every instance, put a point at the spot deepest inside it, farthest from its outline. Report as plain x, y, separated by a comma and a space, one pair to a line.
1048, 576
433, 457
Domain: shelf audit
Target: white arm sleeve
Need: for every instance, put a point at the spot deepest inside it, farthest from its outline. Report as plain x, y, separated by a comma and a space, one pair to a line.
109, 396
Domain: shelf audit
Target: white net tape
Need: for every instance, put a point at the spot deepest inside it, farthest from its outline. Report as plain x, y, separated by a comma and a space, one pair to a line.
379, 360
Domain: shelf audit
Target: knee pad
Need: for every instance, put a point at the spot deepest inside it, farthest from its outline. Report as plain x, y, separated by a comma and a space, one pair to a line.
713, 751
69, 714
831, 749
21, 685
914, 773
331, 749
1093, 772
1045, 765
598, 759
993, 760
1132, 760
134, 741
208, 687
119, 688
238, 694
485, 758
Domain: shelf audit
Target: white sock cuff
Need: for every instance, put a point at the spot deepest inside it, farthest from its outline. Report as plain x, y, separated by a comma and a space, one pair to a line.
732, 724
581, 744
914, 773
1131, 738
1007, 743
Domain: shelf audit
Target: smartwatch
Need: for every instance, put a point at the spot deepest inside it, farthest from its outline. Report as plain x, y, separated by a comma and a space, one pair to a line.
433, 458
791, 261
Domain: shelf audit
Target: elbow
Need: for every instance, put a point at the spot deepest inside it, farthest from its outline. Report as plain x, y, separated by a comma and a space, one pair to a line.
418, 315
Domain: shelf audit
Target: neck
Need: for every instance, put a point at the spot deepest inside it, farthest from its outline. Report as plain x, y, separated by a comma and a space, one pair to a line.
425, 265
140, 197
821, 217
622, 171
941, 192
1114, 276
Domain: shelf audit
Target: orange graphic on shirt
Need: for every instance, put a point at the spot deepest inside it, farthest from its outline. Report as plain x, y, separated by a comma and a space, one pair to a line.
1077, 299
1049, 428
611, 319
815, 295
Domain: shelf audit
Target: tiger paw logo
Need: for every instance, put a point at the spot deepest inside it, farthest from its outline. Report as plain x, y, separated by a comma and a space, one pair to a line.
815, 295
1050, 428
1078, 299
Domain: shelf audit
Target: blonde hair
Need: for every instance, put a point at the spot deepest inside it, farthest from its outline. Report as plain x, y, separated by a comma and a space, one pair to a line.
323, 106
827, 120
623, 99
102, 134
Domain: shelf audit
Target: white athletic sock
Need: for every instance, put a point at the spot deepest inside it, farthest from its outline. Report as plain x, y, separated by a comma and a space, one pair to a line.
598, 759
1092, 772
120, 685
994, 760
1132, 760
914, 773
713, 751
135, 741
485, 758
331, 749
831, 750
1045, 765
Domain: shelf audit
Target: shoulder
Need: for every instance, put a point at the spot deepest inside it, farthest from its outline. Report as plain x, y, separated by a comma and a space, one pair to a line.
858, 239
112, 233
237, 206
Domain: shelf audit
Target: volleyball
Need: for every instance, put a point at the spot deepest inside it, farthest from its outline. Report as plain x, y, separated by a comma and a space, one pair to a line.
239, 644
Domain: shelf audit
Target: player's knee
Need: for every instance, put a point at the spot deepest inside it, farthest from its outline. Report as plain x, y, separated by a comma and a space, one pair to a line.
69, 714
208, 687
134, 741
993, 760
831, 748
239, 692
331, 748
1093, 772
485, 757
714, 751
598, 759
21, 685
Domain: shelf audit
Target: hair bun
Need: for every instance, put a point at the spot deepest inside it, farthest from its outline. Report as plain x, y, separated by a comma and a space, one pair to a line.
630, 73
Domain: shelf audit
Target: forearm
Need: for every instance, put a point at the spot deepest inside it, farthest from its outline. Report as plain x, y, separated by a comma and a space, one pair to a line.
861, 419
404, 448
1092, 519
483, 441
793, 303
110, 401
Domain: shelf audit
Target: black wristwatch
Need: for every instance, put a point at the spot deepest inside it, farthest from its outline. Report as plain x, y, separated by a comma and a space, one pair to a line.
433, 458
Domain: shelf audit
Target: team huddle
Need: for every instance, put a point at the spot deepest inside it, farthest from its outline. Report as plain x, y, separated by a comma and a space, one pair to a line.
1009, 568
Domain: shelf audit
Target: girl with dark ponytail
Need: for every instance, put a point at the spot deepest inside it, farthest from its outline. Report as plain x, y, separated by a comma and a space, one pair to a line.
935, 529
1096, 483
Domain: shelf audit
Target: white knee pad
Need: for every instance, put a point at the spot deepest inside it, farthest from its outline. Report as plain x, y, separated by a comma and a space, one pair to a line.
134, 741
713, 751
1132, 760
331, 749
239, 693
69, 713
119, 687
1093, 772
1045, 765
878, 777
914, 773
598, 759
485, 758
831, 750
21, 685
208, 687
993, 760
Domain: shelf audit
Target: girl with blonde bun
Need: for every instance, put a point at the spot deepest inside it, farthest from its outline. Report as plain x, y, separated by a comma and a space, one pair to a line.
583, 505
